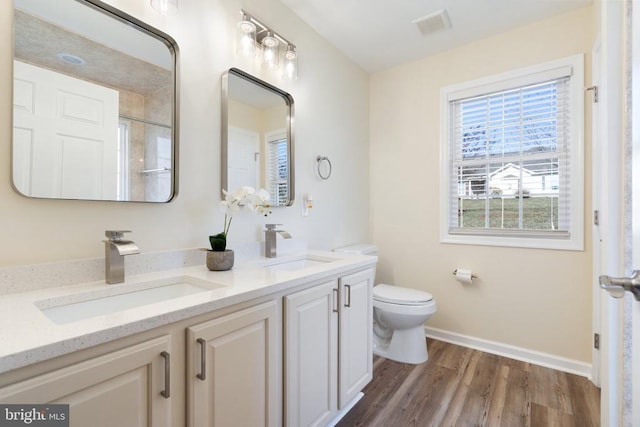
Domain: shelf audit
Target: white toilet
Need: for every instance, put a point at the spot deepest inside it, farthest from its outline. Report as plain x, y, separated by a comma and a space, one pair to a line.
398, 317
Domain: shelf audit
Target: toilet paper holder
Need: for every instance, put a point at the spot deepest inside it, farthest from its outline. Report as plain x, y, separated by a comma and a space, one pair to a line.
473, 276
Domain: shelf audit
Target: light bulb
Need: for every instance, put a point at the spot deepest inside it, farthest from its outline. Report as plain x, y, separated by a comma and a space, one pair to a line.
246, 45
246, 26
290, 69
270, 54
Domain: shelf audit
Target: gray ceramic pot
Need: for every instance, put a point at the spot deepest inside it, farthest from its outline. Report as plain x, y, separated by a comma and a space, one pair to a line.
220, 260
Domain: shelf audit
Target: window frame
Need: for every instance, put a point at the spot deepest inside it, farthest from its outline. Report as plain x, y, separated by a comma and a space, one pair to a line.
574, 240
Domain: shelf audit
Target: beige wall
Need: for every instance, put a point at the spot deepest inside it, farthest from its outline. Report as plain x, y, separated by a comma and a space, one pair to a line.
331, 101
530, 298
244, 116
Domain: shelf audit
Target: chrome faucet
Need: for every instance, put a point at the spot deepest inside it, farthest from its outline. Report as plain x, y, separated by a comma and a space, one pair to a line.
270, 235
114, 251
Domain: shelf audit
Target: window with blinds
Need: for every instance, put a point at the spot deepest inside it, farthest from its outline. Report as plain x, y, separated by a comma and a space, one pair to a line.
278, 172
514, 148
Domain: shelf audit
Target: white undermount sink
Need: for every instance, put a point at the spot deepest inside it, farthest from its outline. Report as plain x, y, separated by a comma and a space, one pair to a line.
82, 306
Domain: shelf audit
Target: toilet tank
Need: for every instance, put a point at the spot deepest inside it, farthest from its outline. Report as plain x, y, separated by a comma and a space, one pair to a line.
359, 249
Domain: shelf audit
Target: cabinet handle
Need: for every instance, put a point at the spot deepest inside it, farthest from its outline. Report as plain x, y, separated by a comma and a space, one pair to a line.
335, 300
203, 359
348, 302
166, 393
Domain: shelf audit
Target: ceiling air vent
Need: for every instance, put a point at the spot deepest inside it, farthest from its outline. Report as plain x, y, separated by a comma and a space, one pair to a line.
433, 22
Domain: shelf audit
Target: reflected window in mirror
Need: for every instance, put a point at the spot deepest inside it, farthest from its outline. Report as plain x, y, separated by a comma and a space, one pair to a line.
257, 137
277, 167
95, 104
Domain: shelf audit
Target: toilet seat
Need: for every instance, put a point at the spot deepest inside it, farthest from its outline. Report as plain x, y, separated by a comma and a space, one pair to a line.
402, 296
410, 310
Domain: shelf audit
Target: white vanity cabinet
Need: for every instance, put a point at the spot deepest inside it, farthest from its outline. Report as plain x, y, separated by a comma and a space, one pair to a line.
234, 369
328, 348
238, 382
127, 387
296, 354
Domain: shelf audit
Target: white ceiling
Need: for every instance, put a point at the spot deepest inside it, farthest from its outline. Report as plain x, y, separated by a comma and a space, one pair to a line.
379, 34
77, 18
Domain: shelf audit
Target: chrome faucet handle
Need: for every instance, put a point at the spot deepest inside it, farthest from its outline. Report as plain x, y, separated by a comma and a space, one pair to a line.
115, 235
271, 227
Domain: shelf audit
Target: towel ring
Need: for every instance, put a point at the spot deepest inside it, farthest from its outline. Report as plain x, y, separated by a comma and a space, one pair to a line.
320, 159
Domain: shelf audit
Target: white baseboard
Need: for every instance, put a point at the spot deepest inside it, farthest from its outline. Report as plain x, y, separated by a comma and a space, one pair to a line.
518, 353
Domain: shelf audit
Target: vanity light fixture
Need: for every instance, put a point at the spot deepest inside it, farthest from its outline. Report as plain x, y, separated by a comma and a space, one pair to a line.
165, 7
275, 52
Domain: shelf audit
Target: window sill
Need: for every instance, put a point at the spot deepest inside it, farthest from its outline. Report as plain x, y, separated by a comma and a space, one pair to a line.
514, 242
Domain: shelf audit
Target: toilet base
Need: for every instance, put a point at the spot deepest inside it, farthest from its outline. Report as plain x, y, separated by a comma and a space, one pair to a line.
405, 346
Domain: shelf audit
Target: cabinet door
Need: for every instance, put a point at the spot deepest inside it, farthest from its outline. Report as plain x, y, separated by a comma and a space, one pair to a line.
311, 356
233, 368
356, 329
121, 389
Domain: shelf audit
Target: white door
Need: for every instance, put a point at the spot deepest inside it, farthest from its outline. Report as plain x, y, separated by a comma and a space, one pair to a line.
621, 239
234, 371
127, 387
65, 135
244, 159
311, 356
356, 330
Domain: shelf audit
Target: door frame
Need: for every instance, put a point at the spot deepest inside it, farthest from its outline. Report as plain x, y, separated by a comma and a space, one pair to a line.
633, 306
596, 191
608, 197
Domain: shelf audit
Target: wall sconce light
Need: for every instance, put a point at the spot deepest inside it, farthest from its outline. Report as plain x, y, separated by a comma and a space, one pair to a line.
253, 36
165, 7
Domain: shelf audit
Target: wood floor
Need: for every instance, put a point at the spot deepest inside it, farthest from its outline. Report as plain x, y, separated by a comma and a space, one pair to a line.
459, 386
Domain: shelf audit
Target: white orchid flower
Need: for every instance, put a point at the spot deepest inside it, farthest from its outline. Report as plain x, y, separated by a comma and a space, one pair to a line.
263, 195
244, 197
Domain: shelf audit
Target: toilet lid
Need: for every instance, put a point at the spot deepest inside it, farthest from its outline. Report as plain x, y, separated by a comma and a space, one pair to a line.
399, 295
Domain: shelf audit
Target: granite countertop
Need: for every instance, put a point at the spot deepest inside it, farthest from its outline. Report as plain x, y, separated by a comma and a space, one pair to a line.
29, 336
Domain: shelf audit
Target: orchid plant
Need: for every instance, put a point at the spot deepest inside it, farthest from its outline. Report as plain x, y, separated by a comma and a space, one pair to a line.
243, 198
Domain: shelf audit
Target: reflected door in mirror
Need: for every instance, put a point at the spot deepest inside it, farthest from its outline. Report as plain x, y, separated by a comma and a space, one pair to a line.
65, 135
244, 158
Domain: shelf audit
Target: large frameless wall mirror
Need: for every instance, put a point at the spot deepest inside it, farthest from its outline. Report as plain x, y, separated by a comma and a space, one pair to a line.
257, 137
95, 104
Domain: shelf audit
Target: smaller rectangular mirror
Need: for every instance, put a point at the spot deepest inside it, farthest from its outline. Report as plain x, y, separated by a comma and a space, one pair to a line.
257, 137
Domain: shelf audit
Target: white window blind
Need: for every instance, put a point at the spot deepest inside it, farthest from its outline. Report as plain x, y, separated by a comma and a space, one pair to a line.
511, 163
278, 172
